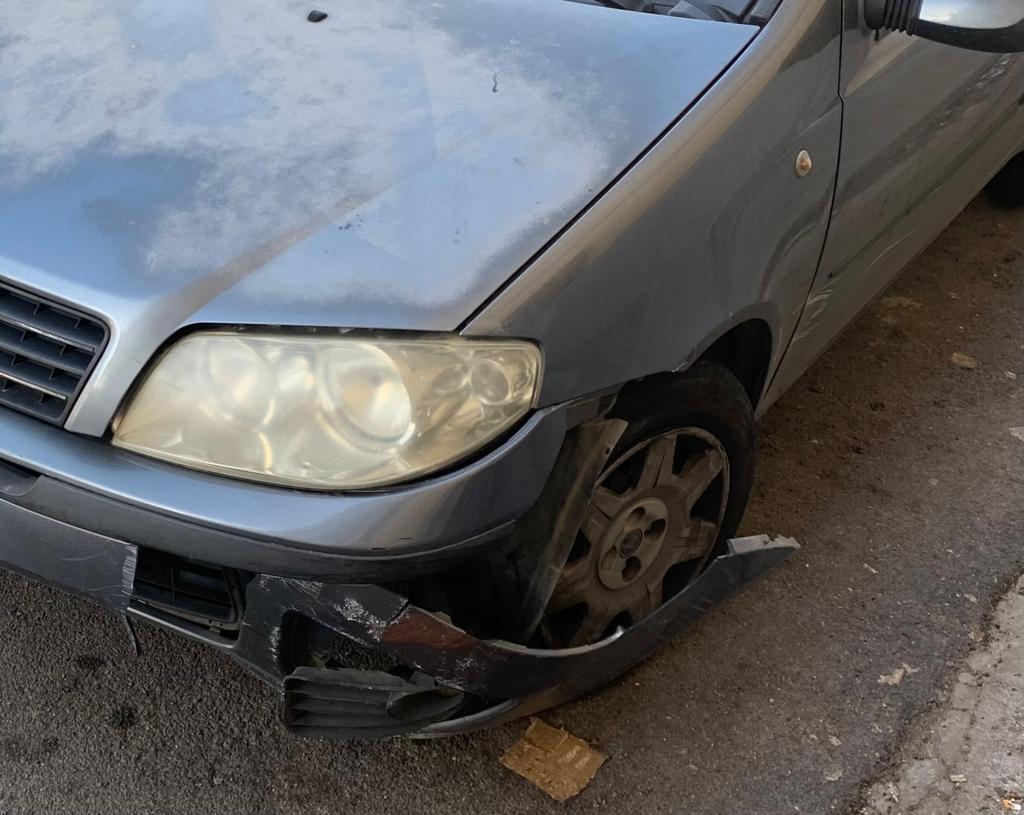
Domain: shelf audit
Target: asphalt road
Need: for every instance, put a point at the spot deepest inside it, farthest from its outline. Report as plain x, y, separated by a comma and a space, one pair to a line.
895, 469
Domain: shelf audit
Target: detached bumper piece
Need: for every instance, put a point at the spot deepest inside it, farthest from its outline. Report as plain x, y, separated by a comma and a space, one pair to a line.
410, 672
503, 680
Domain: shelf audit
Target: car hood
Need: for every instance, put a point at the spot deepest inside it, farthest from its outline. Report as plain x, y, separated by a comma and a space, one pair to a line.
228, 161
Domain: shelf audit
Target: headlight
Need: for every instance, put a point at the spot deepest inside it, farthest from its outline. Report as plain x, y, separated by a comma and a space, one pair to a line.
328, 412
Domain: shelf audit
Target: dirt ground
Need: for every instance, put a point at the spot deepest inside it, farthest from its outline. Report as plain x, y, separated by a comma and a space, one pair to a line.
894, 466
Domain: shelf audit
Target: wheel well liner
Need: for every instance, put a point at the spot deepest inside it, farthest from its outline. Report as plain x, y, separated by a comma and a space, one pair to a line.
746, 350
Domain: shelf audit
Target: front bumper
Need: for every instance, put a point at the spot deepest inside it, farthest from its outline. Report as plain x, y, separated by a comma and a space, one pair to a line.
450, 681
301, 568
373, 536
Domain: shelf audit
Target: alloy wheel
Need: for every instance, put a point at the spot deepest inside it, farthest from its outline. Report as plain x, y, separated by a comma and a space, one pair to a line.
653, 521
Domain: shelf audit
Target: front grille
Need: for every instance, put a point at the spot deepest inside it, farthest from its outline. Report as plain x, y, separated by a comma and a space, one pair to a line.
46, 353
199, 593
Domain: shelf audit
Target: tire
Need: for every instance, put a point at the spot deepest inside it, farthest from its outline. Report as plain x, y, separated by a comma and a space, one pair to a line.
672, 494
708, 396
1007, 188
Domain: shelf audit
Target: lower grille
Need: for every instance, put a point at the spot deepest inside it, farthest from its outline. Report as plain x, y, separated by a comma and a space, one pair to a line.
199, 593
46, 353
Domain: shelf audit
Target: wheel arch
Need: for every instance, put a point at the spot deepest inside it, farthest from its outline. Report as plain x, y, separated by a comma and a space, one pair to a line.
746, 350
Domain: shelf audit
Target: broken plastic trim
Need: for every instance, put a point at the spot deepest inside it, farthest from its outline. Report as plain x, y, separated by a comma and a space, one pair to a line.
518, 679
363, 704
537, 679
442, 661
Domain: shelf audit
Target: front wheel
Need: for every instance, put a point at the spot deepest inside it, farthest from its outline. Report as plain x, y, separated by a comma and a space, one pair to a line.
672, 494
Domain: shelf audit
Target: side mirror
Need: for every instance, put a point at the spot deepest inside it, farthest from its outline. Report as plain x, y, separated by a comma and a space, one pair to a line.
996, 26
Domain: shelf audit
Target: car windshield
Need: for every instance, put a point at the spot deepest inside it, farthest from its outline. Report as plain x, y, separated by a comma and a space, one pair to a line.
726, 11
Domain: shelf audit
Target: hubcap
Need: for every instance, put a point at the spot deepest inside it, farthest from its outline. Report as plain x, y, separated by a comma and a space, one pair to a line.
653, 520
632, 543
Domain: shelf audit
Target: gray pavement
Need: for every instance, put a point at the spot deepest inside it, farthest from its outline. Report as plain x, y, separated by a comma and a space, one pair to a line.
966, 758
895, 467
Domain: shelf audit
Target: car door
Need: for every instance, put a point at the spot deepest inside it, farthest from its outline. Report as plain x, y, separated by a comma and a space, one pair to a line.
925, 126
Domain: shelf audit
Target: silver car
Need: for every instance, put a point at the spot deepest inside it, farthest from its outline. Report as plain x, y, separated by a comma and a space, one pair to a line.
410, 354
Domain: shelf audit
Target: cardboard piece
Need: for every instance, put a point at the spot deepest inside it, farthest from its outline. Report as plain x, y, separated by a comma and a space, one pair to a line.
555, 761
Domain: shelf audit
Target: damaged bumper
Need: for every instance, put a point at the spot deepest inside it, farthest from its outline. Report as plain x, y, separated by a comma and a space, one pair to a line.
447, 681
512, 680
329, 626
